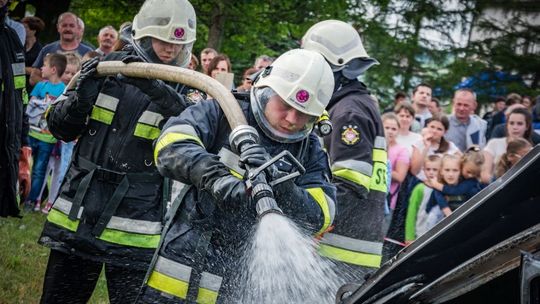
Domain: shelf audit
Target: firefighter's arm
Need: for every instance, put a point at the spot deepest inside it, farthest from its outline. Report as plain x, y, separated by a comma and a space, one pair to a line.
351, 150
310, 199
68, 116
181, 154
66, 119
170, 102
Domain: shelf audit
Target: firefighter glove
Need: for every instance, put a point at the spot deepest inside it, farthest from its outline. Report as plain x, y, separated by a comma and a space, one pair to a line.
229, 190
88, 84
254, 156
158, 91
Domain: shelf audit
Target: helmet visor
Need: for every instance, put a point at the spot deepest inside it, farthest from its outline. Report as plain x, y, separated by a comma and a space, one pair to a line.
277, 119
154, 50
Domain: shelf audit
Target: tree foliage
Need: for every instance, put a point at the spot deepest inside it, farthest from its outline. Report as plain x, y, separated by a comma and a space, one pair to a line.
435, 41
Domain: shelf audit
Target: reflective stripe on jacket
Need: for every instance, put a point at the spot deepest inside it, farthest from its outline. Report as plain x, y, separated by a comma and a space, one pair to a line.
357, 152
110, 206
205, 237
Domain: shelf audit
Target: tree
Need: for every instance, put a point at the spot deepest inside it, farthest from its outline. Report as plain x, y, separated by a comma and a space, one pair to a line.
432, 41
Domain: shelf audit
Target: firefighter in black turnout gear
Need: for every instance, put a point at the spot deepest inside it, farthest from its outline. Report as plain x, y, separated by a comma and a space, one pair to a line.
14, 150
110, 210
357, 150
201, 250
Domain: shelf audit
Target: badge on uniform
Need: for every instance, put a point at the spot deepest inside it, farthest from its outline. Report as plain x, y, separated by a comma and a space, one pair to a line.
350, 135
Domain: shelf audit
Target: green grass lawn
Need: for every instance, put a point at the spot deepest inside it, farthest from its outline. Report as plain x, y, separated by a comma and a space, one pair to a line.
23, 261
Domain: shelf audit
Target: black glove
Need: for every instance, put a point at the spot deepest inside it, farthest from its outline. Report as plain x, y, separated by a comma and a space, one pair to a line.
87, 84
158, 91
132, 58
256, 156
229, 191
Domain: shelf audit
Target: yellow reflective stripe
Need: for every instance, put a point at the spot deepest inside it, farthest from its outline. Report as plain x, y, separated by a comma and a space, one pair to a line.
109, 235
353, 176
24, 94
130, 239
236, 174
170, 138
320, 198
379, 156
62, 220
103, 115
351, 257
168, 284
206, 296
378, 180
146, 131
20, 82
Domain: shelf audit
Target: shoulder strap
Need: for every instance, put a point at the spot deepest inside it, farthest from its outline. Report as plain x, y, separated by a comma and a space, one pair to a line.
168, 221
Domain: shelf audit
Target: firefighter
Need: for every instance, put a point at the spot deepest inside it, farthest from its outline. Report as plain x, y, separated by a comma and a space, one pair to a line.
356, 148
110, 209
201, 250
15, 152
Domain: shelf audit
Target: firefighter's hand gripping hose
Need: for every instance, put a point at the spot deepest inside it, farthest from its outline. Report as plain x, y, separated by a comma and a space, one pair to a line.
260, 168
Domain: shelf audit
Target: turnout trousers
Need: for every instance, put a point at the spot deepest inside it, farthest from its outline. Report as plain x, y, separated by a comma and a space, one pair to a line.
72, 279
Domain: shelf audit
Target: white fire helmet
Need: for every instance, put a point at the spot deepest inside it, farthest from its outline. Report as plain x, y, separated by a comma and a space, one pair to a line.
303, 79
172, 21
341, 45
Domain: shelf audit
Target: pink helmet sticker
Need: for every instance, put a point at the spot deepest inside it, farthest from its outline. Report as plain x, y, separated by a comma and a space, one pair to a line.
179, 33
302, 96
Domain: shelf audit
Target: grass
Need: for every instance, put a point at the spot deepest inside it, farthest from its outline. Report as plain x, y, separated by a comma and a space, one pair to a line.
23, 261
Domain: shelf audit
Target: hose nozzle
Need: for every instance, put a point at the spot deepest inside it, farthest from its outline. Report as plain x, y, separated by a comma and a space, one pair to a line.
264, 200
267, 205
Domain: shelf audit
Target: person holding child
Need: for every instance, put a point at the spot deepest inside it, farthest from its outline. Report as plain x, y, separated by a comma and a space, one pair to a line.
433, 142
458, 182
516, 149
40, 138
518, 125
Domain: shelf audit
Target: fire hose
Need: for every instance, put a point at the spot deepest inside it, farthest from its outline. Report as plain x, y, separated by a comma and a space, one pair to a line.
242, 135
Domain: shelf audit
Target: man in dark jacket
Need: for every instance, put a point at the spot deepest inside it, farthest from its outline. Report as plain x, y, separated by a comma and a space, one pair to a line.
110, 209
13, 120
357, 150
201, 251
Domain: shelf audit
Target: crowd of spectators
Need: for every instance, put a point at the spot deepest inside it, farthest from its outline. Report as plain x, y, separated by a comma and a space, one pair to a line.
438, 156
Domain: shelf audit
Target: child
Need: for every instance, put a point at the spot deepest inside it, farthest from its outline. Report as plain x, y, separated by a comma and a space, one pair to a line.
516, 149
397, 156
40, 139
61, 156
415, 222
456, 191
72, 67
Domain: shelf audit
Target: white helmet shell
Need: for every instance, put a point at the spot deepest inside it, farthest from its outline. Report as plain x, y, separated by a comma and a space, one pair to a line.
336, 40
172, 21
302, 78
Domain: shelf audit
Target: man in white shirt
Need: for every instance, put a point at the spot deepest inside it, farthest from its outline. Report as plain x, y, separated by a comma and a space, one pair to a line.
466, 128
